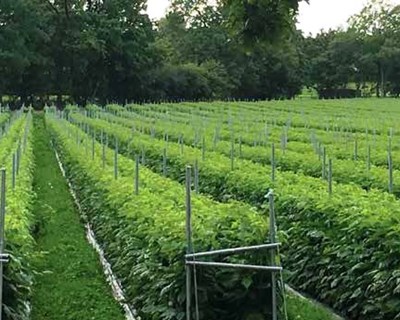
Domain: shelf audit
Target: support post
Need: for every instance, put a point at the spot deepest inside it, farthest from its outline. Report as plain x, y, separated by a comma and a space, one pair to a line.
273, 165
137, 174
232, 154
272, 239
203, 149
196, 176
390, 165
324, 163
164, 162
14, 169
330, 176
116, 160
189, 242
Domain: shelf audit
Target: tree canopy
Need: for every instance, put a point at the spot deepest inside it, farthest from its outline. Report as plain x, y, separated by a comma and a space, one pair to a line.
99, 51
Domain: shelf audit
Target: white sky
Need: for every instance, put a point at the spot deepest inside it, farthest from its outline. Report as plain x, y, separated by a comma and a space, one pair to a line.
319, 14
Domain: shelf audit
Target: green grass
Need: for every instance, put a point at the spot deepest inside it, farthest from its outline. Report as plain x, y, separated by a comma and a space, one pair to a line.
71, 284
302, 309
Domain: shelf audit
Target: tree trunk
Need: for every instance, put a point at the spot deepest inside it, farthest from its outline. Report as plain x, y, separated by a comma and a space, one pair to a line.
59, 101
383, 87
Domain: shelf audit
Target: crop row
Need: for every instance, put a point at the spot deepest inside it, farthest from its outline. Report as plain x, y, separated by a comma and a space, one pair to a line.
339, 144
310, 114
309, 163
340, 248
19, 222
144, 235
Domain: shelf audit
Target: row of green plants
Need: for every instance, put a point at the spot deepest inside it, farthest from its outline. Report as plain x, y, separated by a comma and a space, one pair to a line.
309, 163
144, 235
256, 130
353, 116
340, 145
19, 222
339, 248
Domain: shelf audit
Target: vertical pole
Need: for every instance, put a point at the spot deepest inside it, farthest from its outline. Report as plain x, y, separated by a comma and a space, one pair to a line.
390, 165
93, 145
103, 149
196, 176
273, 167
369, 158
181, 144
356, 150
2, 222
203, 149
232, 154
116, 160
272, 239
189, 242
164, 163
137, 174
324, 163
240, 147
330, 176
18, 158
14, 162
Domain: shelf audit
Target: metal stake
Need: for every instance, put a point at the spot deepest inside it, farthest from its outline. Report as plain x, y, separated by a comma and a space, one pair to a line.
330, 176
189, 242
272, 239
116, 160
273, 167
14, 165
196, 176
137, 174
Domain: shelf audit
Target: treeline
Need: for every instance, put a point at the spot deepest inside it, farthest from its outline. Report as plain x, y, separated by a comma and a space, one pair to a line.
103, 51
363, 60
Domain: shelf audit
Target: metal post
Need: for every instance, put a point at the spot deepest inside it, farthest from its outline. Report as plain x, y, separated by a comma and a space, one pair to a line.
137, 174
203, 149
232, 154
2, 222
273, 166
240, 147
390, 165
93, 140
116, 160
181, 144
272, 239
369, 158
18, 159
164, 162
14, 165
189, 242
356, 150
330, 176
324, 163
196, 176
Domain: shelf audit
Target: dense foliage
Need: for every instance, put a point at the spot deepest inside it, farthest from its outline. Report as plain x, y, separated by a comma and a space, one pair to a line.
147, 250
340, 247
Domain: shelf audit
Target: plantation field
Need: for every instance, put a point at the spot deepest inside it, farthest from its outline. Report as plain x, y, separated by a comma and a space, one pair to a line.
334, 167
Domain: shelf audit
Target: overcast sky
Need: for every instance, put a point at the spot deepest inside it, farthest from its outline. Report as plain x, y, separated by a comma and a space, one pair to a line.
319, 14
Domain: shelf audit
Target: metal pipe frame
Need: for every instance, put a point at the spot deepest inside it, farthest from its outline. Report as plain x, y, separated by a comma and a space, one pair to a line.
233, 250
234, 266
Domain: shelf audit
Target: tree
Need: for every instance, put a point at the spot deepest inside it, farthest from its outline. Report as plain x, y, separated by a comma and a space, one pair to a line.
377, 25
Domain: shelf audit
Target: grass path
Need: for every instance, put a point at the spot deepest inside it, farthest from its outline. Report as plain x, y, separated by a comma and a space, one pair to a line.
73, 286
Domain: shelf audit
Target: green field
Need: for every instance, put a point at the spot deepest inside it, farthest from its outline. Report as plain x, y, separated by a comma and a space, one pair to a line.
333, 165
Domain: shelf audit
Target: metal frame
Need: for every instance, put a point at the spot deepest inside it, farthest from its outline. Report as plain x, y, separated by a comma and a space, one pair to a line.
191, 262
